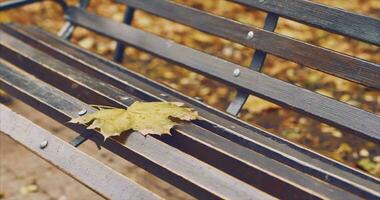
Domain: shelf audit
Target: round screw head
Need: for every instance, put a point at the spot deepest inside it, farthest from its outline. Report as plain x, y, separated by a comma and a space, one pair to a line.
236, 72
163, 95
82, 112
43, 144
261, 1
124, 98
250, 35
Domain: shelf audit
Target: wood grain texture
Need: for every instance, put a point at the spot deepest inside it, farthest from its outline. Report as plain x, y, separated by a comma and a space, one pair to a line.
335, 20
315, 105
315, 57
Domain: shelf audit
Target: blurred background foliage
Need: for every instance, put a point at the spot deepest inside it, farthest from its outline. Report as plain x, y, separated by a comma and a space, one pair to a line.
320, 137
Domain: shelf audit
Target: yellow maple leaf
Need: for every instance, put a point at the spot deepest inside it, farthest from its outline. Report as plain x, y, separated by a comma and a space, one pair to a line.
145, 117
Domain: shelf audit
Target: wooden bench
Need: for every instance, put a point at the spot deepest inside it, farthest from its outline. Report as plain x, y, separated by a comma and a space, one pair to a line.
219, 156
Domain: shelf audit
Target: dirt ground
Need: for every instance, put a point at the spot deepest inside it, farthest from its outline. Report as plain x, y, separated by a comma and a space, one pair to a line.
24, 175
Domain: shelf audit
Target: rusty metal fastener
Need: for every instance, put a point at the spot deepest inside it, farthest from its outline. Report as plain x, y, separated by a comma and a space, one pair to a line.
164, 95
124, 98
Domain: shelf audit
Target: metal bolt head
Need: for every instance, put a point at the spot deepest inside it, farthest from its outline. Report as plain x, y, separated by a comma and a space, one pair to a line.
82, 112
261, 1
250, 35
43, 144
163, 95
124, 98
236, 72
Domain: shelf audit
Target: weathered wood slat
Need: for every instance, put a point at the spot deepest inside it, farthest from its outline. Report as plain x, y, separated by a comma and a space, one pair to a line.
166, 162
90, 172
315, 57
315, 105
335, 20
124, 79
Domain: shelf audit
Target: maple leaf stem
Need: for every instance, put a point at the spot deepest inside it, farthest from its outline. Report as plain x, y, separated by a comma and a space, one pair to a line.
102, 106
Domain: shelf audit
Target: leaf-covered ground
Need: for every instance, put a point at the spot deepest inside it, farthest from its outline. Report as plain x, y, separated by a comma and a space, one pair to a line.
303, 130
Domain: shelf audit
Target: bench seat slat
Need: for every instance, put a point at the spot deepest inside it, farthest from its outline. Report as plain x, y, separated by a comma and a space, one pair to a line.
315, 57
166, 162
306, 160
318, 106
332, 19
95, 175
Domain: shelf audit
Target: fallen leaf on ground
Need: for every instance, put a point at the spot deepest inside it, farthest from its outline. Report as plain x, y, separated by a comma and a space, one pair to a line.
32, 188
145, 117
366, 164
2, 195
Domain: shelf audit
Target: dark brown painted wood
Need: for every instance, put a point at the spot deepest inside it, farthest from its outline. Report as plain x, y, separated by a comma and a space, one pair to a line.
315, 105
315, 57
318, 15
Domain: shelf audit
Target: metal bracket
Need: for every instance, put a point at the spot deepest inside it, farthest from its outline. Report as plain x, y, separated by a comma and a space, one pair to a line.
66, 32
256, 64
119, 51
68, 28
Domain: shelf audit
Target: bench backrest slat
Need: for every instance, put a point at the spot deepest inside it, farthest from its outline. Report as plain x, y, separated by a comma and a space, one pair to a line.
318, 58
332, 19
